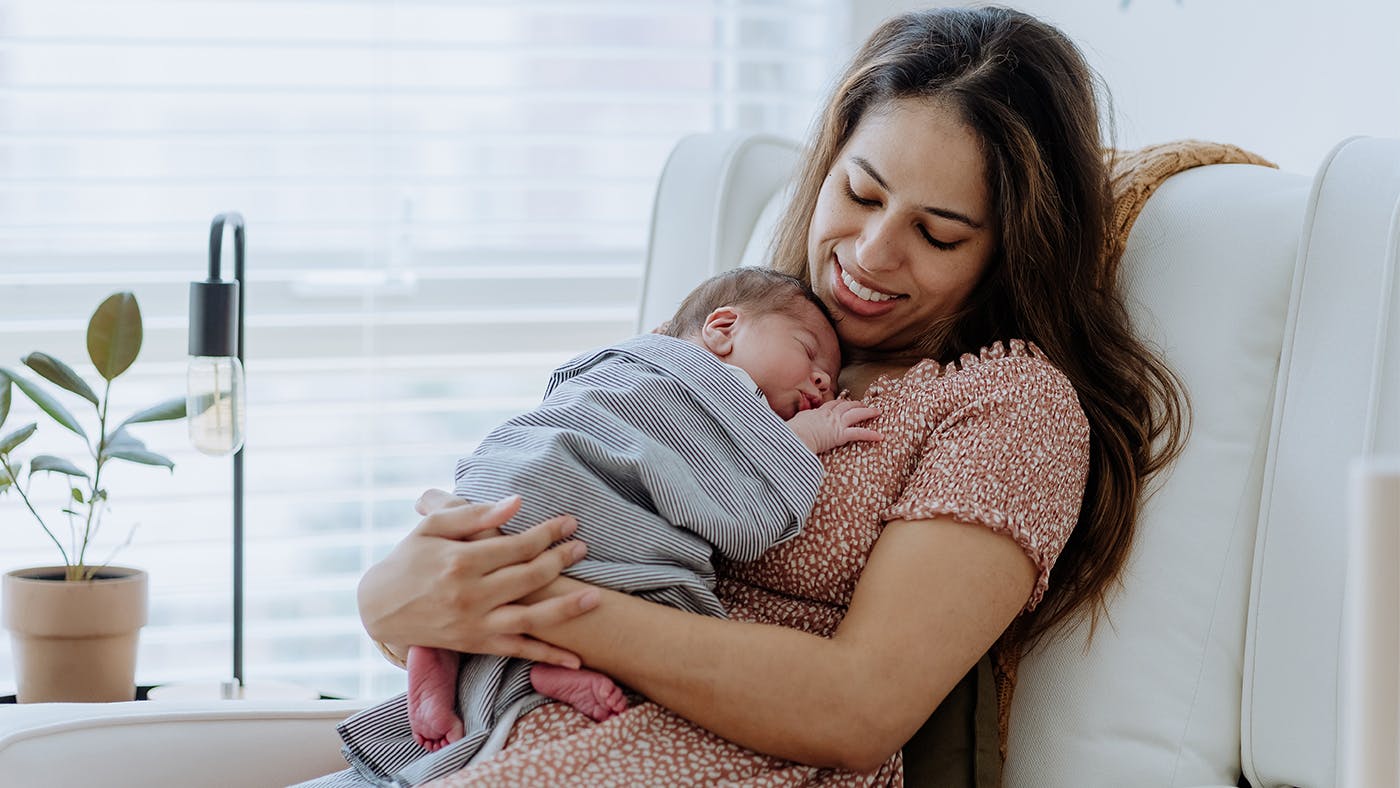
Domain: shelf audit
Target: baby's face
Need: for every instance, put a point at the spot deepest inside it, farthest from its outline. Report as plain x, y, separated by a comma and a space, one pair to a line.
794, 358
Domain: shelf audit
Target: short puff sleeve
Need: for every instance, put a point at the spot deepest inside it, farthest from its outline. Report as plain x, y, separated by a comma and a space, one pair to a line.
1012, 455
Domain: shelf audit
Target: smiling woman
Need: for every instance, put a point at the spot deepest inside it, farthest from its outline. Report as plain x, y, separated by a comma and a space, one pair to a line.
901, 233
444, 201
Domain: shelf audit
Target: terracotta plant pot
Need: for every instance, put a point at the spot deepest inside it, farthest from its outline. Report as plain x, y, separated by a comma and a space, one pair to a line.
75, 641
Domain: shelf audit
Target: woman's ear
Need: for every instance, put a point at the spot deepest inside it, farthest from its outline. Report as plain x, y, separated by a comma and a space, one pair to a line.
717, 333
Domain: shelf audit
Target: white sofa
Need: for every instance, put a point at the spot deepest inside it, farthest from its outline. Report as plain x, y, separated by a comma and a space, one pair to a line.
1273, 295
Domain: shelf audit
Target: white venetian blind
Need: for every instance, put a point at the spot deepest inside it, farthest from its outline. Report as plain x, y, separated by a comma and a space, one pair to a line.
443, 199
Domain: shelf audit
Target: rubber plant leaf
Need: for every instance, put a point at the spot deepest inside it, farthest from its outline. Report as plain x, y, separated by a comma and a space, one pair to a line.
142, 457
47, 404
60, 374
4, 397
48, 462
10, 442
114, 335
121, 440
164, 411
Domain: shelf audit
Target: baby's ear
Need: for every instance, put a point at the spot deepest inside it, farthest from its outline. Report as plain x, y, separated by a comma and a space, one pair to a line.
717, 333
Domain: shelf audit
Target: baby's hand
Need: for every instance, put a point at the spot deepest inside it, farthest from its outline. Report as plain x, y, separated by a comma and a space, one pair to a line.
833, 424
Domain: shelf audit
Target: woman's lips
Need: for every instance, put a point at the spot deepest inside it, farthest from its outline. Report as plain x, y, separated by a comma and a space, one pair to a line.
854, 304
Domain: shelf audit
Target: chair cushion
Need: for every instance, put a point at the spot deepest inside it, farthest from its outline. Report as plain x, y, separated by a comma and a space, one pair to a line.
1207, 268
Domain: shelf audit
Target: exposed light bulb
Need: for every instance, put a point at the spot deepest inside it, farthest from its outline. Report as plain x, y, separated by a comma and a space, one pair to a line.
214, 404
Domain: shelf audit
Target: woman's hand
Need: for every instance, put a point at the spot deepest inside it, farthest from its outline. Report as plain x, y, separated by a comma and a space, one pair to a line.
454, 582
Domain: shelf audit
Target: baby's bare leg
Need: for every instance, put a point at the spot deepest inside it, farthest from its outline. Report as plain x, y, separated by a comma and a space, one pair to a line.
588, 691
432, 697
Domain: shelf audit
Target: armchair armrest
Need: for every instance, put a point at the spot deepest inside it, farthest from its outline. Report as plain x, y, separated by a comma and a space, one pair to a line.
171, 743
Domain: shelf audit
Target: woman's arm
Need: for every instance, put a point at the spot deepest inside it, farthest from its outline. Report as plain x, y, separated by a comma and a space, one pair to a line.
932, 599
446, 585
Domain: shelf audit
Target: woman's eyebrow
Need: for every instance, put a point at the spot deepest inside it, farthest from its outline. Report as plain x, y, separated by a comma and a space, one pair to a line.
941, 212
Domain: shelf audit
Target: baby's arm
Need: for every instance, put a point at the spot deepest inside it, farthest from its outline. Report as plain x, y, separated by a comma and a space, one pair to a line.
834, 424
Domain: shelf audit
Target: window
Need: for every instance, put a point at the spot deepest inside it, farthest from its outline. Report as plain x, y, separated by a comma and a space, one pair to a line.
444, 200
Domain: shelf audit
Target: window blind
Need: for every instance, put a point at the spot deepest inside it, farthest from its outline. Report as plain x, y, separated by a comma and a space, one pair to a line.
444, 200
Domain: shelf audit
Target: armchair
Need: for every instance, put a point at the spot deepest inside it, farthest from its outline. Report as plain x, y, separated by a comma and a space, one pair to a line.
1225, 656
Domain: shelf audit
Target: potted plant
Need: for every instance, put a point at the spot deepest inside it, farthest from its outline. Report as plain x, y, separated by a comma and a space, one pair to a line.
74, 627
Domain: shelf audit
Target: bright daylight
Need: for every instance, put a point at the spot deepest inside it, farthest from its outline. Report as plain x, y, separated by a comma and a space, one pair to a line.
699, 392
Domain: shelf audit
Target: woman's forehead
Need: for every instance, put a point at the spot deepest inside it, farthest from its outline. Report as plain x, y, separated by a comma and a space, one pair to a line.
923, 153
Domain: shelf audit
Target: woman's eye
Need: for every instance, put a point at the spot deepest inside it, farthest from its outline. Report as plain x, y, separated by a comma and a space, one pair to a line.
935, 243
858, 200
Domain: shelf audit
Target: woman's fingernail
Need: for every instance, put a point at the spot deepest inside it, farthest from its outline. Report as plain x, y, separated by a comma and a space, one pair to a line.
568, 527
589, 599
578, 550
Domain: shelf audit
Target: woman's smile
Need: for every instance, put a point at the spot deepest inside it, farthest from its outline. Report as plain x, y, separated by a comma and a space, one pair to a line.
853, 297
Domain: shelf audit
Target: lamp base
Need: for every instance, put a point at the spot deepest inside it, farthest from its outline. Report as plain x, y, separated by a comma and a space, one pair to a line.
228, 690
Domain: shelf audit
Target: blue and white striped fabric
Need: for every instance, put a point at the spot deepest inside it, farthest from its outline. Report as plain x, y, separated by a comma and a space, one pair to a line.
665, 458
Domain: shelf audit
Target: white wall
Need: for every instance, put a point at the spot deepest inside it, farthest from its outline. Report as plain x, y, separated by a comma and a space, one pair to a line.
1287, 79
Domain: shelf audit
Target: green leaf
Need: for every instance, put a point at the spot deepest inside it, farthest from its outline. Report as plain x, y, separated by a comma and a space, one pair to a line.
164, 411
48, 462
14, 439
121, 440
47, 404
77, 494
114, 335
60, 374
4, 397
142, 457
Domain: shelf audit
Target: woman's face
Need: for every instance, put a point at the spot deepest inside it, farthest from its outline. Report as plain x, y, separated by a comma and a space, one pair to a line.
903, 227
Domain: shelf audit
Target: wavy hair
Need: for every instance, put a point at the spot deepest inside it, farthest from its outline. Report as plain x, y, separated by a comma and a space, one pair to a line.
1027, 93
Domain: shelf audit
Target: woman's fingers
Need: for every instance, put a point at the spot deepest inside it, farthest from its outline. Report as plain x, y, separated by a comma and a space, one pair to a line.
463, 520
432, 500
526, 545
517, 621
515, 580
536, 651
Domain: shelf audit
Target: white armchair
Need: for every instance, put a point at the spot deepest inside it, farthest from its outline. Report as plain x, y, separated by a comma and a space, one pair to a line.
1272, 295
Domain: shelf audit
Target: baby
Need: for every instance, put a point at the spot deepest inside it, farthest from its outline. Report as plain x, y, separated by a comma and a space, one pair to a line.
667, 448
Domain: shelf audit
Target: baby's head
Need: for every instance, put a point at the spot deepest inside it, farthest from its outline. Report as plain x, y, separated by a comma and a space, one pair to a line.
770, 325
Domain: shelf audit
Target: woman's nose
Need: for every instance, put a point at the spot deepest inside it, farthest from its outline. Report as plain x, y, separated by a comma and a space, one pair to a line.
878, 248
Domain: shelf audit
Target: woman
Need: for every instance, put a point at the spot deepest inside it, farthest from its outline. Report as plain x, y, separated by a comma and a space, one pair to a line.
951, 213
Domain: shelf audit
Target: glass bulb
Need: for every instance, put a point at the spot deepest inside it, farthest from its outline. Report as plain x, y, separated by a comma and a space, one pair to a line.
214, 404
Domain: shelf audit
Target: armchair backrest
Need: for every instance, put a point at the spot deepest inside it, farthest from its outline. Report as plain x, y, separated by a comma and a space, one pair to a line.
1270, 294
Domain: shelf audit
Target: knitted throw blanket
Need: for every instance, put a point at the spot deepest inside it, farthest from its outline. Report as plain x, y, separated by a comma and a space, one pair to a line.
1134, 176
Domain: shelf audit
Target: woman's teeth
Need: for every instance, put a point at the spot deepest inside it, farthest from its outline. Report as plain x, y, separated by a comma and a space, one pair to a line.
865, 293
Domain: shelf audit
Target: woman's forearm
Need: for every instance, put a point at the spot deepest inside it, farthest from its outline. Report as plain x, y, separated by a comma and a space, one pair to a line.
932, 599
768, 688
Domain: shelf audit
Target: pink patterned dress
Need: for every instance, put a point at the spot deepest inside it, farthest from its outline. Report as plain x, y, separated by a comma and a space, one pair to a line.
997, 440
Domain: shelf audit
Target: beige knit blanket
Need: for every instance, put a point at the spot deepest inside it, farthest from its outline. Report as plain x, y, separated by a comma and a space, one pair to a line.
1134, 176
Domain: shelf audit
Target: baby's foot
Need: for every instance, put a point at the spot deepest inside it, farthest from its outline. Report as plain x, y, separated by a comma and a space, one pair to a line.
432, 697
588, 691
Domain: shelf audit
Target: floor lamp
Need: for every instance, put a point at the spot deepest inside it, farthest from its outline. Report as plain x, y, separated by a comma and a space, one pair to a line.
215, 397
214, 407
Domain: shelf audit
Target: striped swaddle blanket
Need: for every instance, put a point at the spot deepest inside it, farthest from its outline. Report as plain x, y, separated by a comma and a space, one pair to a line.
666, 459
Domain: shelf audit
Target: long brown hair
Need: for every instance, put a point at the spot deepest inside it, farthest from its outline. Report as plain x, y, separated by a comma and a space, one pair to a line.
1030, 97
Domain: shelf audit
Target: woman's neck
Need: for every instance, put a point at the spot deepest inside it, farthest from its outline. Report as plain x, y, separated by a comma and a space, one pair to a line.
857, 376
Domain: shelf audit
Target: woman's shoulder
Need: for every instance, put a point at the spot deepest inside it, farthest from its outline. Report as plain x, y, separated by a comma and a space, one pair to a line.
1014, 368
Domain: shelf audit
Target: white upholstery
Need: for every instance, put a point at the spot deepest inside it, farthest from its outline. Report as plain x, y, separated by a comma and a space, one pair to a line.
1272, 294
1215, 299
170, 743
